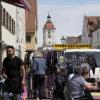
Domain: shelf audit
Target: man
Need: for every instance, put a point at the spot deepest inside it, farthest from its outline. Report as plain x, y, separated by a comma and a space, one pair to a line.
13, 70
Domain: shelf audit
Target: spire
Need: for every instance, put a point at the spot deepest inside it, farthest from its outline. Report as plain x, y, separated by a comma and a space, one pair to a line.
85, 16
48, 18
49, 25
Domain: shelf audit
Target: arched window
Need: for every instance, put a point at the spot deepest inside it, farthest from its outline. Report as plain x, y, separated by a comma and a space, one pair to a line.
3, 16
49, 42
10, 24
6, 20
13, 26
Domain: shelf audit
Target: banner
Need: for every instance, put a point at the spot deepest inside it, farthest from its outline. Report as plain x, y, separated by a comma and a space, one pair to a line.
66, 46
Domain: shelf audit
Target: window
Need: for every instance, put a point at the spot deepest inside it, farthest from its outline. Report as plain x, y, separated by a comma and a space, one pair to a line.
28, 38
97, 35
91, 23
49, 42
6, 20
49, 32
49, 36
98, 47
10, 24
13, 26
3, 16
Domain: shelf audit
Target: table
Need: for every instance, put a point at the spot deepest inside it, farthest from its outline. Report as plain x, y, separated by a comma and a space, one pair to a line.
95, 90
95, 93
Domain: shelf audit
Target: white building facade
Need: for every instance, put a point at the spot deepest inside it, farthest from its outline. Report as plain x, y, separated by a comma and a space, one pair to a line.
48, 34
20, 32
85, 38
89, 25
96, 39
13, 28
48, 37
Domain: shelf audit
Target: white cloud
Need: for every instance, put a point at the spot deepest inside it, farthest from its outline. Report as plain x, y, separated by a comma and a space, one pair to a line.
68, 20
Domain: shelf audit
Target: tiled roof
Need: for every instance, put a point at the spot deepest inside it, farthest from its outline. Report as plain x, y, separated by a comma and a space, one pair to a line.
93, 22
49, 26
73, 40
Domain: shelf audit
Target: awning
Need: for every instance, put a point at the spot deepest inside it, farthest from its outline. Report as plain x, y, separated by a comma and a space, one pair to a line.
19, 3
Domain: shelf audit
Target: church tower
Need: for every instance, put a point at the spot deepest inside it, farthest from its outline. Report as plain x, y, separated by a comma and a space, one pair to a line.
48, 32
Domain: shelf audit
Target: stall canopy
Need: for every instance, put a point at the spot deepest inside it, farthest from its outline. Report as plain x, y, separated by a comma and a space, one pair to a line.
19, 3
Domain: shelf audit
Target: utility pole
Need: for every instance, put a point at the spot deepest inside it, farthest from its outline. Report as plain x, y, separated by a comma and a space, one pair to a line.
0, 35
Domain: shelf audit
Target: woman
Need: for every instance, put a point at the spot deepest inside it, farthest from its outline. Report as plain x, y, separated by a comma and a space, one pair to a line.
39, 70
78, 84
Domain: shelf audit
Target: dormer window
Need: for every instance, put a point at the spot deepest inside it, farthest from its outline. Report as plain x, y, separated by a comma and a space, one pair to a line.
91, 23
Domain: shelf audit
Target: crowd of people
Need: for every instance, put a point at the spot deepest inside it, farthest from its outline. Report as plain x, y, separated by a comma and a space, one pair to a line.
77, 59
46, 74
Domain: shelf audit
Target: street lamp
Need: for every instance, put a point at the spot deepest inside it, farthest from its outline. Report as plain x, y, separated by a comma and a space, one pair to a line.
63, 40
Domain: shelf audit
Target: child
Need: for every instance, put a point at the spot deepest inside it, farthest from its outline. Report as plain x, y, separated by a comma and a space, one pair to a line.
24, 94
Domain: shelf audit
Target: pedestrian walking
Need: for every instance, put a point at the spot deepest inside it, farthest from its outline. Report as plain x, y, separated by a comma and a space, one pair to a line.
14, 71
51, 60
39, 71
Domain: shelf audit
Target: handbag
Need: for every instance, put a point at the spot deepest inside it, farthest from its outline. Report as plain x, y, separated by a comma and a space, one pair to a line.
24, 93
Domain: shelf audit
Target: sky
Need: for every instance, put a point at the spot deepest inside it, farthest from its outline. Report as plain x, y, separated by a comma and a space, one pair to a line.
66, 15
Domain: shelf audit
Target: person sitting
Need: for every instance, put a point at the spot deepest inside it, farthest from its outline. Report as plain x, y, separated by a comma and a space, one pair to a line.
78, 84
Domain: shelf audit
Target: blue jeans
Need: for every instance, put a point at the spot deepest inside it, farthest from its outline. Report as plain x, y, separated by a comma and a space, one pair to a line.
10, 96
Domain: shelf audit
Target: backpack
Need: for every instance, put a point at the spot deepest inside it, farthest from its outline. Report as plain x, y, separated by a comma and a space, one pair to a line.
64, 94
67, 92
